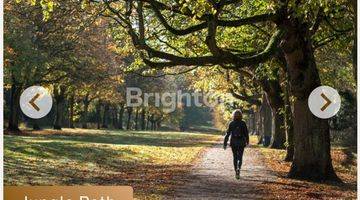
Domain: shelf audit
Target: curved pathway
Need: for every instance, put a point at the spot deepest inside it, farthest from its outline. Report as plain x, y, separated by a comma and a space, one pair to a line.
214, 178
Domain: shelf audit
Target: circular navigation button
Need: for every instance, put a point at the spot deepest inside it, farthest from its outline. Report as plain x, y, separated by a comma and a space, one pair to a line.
324, 102
35, 102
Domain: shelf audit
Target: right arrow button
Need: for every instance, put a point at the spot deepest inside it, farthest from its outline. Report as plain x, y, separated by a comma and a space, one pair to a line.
327, 104
324, 102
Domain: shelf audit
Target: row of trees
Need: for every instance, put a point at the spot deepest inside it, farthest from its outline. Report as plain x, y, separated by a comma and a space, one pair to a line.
73, 54
271, 44
269, 55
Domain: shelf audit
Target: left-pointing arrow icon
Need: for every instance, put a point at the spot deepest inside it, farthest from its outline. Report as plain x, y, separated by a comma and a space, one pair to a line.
32, 102
35, 102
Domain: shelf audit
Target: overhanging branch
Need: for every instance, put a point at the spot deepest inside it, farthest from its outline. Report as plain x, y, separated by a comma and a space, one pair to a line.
250, 100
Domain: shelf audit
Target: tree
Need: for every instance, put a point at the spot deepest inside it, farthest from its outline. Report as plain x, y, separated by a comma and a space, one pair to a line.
292, 35
234, 35
40, 51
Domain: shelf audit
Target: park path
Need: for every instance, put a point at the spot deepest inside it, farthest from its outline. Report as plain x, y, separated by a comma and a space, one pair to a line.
214, 178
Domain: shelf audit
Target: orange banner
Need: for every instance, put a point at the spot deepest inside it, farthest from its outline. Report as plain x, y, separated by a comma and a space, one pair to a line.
68, 193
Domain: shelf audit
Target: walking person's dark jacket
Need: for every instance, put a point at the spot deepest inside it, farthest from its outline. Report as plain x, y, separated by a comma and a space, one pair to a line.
239, 134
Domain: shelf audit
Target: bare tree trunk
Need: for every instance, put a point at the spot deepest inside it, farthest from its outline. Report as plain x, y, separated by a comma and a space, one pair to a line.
136, 118
128, 125
71, 111
35, 124
273, 92
278, 137
121, 114
13, 124
288, 124
147, 122
59, 96
98, 114
153, 127
252, 122
152, 122
158, 123
115, 117
85, 112
143, 112
312, 159
354, 48
267, 121
105, 120
258, 121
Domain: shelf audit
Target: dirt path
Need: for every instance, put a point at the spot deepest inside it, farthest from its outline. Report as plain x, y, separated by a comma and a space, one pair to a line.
214, 178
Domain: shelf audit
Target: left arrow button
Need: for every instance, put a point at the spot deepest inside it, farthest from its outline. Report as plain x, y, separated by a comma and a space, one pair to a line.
35, 102
32, 102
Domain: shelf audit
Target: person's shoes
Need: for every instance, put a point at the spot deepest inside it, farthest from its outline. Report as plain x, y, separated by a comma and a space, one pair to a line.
237, 176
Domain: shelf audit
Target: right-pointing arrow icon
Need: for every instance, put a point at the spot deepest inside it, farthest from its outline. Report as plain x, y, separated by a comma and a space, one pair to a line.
324, 102
327, 104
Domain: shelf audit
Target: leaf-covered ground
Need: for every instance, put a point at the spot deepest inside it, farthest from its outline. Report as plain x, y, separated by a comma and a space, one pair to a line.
148, 161
344, 161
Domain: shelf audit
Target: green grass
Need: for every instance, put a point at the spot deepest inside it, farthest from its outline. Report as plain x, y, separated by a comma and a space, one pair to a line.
148, 161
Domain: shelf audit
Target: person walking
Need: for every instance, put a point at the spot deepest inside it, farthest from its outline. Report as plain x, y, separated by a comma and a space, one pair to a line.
239, 139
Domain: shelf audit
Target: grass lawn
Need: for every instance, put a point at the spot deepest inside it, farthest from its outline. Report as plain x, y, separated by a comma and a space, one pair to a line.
344, 162
148, 161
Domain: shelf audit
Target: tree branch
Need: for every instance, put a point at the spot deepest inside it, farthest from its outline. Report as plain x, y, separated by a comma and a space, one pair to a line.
248, 99
318, 19
219, 56
248, 20
167, 74
174, 31
201, 26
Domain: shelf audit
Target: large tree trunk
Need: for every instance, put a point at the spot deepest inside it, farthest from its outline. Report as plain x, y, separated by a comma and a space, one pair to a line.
59, 96
289, 126
312, 158
128, 125
278, 137
121, 114
289, 137
14, 108
273, 92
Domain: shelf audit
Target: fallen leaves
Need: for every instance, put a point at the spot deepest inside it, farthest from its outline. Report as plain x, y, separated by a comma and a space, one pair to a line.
344, 162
